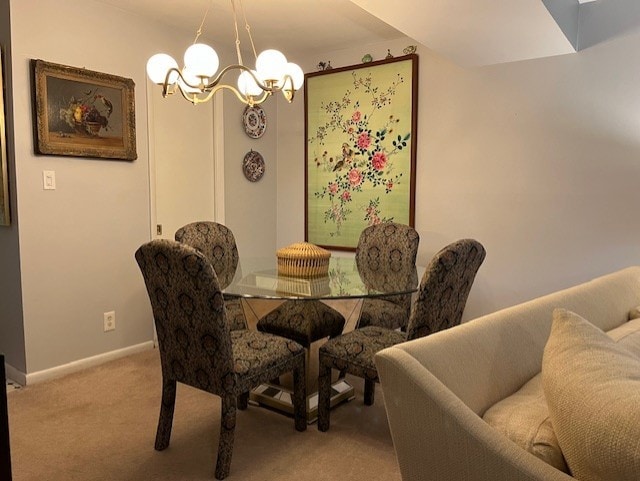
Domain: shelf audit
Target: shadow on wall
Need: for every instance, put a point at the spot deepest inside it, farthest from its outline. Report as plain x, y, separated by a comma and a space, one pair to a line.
607, 19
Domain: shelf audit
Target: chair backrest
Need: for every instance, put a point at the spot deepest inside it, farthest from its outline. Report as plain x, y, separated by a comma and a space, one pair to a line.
217, 243
382, 245
384, 248
445, 287
189, 314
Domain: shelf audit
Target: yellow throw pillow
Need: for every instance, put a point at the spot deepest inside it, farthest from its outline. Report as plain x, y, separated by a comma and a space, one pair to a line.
592, 386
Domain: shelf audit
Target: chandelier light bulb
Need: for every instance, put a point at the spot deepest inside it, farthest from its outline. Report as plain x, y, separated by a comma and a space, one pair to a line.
296, 73
271, 64
201, 60
247, 84
158, 66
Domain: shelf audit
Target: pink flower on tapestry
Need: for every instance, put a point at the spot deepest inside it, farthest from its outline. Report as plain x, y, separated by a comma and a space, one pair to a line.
355, 177
364, 141
346, 196
333, 187
379, 160
356, 116
390, 185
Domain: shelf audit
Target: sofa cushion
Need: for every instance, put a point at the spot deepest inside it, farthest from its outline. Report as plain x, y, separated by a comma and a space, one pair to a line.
627, 335
524, 418
592, 387
634, 313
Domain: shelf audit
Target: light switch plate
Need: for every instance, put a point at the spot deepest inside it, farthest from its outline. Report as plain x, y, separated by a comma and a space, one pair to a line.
49, 179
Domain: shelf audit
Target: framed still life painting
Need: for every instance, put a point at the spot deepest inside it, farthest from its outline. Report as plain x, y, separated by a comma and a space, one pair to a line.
360, 150
82, 113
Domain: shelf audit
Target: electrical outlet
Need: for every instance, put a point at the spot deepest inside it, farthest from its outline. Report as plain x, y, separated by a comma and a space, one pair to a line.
109, 321
159, 229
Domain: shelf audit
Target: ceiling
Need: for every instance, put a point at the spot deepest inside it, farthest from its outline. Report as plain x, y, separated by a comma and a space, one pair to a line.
299, 26
468, 32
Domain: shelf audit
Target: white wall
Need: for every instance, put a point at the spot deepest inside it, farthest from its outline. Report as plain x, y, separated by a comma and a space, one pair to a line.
538, 160
73, 258
77, 242
250, 207
182, 161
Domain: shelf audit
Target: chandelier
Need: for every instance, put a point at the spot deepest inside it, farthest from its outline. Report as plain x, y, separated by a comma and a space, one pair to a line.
197, 80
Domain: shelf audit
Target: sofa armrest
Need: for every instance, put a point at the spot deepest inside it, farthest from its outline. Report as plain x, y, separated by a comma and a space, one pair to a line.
437, 437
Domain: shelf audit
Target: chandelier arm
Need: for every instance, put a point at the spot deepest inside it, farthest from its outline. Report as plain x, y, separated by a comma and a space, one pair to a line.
196, 99
228, 68
166, 90
288, 92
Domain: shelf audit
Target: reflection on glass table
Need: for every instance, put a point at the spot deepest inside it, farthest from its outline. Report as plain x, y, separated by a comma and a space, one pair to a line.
347, 279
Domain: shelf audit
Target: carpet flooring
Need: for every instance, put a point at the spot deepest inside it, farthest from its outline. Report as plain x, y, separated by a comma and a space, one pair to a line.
99, 424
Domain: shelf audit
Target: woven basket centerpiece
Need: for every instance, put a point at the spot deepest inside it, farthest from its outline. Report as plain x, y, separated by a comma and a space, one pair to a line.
303, 259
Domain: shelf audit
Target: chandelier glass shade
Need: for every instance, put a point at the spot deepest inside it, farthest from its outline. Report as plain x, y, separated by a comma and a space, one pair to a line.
199, 79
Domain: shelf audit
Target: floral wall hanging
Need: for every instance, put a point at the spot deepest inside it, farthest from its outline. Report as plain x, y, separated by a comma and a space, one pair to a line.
360, 150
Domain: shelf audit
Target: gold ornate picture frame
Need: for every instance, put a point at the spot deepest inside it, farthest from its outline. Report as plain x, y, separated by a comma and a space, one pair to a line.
360, 149
5, 218
82, 113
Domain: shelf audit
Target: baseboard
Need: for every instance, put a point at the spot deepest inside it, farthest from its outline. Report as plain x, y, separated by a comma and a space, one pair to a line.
75, 366
14, 374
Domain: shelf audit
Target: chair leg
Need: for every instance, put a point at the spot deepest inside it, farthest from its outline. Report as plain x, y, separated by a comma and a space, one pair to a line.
369, 391
324, 396
243, 401
300, 395
163, 434
227, 430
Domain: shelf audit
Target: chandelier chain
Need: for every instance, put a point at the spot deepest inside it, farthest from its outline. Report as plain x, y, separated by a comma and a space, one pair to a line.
248, 29
235, 25
199, 31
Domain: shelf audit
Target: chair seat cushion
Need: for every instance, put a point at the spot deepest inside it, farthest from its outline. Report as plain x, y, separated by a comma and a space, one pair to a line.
303, 321
260, 357
354, 351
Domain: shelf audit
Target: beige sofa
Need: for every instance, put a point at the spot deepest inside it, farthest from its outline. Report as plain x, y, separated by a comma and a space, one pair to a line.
438, 389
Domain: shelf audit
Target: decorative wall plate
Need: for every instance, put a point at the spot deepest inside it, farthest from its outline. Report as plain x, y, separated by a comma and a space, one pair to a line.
253, 166
254, 120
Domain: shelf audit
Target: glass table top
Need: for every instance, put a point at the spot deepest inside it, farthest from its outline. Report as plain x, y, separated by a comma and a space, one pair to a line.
258, 278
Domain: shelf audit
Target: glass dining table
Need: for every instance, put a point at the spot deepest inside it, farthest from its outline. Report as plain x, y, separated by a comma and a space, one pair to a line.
347, 278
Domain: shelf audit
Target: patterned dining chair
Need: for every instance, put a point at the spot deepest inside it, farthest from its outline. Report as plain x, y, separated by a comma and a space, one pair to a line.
198, 349
381, 246
217, 243
441, 300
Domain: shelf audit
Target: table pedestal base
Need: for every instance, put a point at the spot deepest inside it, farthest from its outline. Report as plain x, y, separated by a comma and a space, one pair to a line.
279, 398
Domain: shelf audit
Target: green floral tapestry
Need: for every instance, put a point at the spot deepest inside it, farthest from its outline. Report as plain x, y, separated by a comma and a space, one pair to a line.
360, 149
